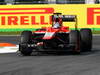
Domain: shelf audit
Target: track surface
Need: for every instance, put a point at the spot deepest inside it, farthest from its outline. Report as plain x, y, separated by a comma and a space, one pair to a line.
85, 64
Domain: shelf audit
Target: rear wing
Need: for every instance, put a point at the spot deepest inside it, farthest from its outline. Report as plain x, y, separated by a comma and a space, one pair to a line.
69, 18
66, 18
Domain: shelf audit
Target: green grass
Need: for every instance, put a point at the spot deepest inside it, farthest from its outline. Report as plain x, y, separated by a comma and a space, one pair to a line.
96, 32
10, 33
19, 32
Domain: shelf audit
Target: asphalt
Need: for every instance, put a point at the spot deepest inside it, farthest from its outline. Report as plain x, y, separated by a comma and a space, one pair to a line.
87, 63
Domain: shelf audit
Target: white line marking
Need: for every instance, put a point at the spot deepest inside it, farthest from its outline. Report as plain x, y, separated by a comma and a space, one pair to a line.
9, 49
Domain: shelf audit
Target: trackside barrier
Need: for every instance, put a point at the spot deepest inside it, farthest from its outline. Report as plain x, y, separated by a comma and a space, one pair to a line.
31, 17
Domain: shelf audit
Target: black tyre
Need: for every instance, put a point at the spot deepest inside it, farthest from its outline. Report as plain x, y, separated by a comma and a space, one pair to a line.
26, 38
75, 41
86, 37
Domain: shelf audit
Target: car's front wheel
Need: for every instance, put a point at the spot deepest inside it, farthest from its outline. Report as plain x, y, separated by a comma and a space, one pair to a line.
26, 38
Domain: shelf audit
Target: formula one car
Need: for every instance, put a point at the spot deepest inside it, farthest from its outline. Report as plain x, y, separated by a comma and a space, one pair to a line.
56, 38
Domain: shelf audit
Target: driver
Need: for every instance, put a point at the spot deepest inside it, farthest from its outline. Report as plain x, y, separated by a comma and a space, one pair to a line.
56, 23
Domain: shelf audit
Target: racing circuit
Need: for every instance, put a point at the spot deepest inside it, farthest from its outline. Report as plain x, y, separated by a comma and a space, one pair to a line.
87, 63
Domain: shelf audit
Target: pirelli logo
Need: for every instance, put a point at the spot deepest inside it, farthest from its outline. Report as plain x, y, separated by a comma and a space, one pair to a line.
24, 20
93, 16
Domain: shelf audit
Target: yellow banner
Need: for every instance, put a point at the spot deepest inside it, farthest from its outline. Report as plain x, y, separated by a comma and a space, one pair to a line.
37, 16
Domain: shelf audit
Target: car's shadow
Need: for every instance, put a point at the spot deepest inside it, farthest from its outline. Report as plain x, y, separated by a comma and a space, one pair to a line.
94, 51
68, 53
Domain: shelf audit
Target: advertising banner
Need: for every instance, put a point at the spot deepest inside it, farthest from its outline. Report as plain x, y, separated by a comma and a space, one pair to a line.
19, 17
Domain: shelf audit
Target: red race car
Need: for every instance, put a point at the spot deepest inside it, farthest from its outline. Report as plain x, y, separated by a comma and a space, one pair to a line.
56, 38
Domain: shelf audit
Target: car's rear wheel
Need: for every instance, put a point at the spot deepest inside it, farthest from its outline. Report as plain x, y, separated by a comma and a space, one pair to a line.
26, 38
75, 41
86, 37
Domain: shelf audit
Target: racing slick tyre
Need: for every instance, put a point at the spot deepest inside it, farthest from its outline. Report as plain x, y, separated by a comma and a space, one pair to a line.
86, 37
26, 38
75, 41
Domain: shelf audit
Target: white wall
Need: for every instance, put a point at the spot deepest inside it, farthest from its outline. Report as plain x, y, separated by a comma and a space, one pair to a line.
90, 1
9, 2
51, 1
